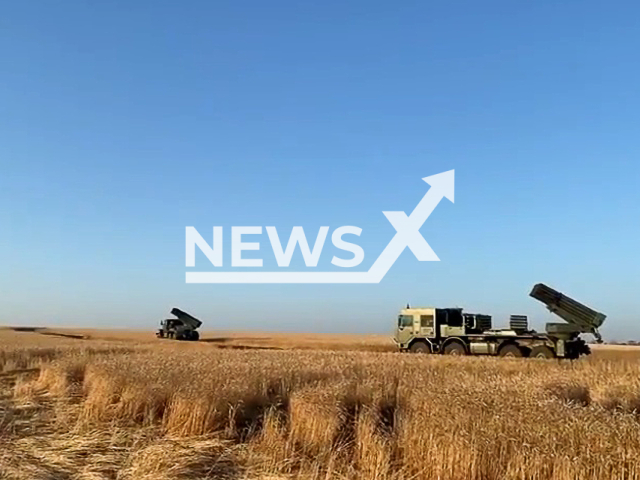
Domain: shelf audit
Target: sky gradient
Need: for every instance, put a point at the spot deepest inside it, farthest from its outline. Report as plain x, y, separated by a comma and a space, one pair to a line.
122, 123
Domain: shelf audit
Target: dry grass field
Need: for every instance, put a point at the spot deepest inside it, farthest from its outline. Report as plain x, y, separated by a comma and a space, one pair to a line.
124, 405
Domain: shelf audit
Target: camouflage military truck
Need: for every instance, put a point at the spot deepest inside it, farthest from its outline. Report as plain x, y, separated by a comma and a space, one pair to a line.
183, 327
451, 331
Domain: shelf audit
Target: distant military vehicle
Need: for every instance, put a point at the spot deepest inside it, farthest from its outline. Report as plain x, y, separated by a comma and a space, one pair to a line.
184, 327
454, 332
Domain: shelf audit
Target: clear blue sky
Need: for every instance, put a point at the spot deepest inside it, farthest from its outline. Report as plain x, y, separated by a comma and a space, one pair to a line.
123, 122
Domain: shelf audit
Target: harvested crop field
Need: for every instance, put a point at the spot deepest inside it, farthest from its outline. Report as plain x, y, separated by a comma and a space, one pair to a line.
124, 406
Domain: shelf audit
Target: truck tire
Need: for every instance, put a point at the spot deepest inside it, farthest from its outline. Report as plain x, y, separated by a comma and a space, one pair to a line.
542, 352
420, 347
195, 336
454, 348
510, 350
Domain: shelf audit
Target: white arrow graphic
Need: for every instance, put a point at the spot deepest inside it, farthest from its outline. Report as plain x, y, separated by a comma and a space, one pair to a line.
408, 228
407, 235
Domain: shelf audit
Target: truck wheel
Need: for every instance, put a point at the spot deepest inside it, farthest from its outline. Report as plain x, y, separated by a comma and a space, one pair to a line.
195, 336
420, 347
454, 348
542, 352
510, 350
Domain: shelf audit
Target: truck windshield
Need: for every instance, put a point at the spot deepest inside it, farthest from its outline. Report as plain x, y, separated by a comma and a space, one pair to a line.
405, 320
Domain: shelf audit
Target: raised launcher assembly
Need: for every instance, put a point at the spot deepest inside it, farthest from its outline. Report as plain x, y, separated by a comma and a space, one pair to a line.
183, 327
579, 318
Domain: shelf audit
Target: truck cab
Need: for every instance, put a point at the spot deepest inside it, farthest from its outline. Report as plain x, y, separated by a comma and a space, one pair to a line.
430, 324
414, 322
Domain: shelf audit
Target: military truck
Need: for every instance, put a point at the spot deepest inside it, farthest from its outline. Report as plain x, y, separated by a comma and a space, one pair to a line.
183, 327
452, 331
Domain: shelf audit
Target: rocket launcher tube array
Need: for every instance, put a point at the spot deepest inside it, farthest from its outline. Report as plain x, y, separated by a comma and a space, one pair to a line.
187, 319
571, 311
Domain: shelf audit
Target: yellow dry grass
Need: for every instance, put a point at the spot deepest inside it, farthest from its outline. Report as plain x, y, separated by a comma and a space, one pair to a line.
107, 406
220, 339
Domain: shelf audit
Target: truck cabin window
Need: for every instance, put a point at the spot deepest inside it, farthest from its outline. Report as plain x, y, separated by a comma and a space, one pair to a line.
405, 320
426, 321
